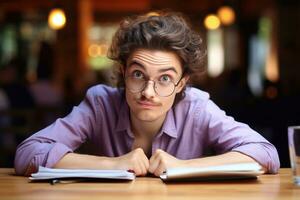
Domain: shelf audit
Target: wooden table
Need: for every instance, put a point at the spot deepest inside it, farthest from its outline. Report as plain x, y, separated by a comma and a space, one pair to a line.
266, 187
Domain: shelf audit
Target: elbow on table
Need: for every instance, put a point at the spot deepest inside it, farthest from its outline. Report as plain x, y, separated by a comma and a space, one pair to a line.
274, 165
24, 164
273, 162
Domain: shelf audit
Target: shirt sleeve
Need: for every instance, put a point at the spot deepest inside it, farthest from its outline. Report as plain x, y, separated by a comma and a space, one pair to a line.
48, 146
225, 134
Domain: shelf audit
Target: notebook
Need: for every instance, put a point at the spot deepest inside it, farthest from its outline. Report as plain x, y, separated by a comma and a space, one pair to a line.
229, 171
49, 173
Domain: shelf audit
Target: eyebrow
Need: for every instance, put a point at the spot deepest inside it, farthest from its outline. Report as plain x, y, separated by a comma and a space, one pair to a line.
135, 62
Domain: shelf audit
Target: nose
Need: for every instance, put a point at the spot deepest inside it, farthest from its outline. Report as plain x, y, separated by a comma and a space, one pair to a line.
149, 91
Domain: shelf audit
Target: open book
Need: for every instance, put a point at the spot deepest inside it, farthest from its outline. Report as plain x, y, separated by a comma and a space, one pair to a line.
48, 174
230, 171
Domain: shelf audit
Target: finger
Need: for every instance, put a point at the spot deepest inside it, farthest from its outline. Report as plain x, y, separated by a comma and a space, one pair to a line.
143, 163
153, 157
156, 154
153, 164
146, 163
160, 169
137, 169
143, 169
137, 155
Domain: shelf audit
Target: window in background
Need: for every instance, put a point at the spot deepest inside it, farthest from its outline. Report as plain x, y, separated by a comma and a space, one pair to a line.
35, 36
100, 36
262, 57
21, 39
215, 49
8, 41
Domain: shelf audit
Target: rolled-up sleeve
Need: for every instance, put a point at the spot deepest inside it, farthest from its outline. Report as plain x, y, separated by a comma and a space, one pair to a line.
48, 146
225, 134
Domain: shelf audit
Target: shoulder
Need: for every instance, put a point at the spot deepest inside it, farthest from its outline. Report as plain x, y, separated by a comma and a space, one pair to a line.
105, 95
194, 102
195, 96
100, 91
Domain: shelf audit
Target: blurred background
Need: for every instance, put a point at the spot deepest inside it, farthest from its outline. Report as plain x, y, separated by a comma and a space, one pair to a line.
52, 51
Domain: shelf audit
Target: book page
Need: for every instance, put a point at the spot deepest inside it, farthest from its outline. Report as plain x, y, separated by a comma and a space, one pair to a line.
226, 171
49, 173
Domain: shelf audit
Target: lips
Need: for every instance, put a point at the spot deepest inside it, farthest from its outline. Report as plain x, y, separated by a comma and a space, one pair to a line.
146, 104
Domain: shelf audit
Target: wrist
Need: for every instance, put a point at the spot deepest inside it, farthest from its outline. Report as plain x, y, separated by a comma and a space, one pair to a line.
106, 163
185, 163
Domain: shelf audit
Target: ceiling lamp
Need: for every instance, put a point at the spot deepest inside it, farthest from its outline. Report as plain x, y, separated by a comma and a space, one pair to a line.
56, 18
212, 22
226, 15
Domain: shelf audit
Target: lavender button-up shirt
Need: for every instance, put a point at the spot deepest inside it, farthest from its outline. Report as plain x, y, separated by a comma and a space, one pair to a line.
191, 128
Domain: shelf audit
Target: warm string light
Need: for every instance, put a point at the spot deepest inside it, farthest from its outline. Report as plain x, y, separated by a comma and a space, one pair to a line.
96, 50
212, 22
225, 16
57, 19
216, 61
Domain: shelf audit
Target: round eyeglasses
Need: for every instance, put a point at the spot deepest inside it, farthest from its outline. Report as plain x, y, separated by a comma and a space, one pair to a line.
161, 88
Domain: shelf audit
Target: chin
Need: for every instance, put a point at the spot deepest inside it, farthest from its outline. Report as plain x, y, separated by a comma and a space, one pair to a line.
147, 117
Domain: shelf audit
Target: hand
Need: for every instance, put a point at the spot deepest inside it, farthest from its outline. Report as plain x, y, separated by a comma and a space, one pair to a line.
135, 160
161, 160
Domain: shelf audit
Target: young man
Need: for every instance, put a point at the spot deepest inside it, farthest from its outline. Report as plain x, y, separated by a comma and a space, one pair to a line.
152, 121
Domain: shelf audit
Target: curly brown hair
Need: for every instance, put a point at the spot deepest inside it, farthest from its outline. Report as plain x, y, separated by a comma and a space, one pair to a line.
167, 31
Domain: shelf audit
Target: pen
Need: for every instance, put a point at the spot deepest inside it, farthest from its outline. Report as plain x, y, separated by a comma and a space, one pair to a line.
63, 181
54, 181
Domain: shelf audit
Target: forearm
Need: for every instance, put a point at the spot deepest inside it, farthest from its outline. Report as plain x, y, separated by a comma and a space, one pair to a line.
82, 161
227, 158
136, 160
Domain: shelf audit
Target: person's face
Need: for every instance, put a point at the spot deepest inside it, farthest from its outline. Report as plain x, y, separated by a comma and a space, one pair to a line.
161, 67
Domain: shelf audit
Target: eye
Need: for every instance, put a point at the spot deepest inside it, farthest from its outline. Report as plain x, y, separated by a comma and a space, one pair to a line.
165, 79
137, 74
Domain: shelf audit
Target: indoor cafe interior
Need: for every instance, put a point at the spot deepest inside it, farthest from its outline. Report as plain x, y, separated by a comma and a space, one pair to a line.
52, 51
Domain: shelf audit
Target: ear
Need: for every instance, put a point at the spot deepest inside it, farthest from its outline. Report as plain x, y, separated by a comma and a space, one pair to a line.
182, 83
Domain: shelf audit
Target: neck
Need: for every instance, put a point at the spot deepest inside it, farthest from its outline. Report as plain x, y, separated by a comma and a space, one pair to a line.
146, 129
